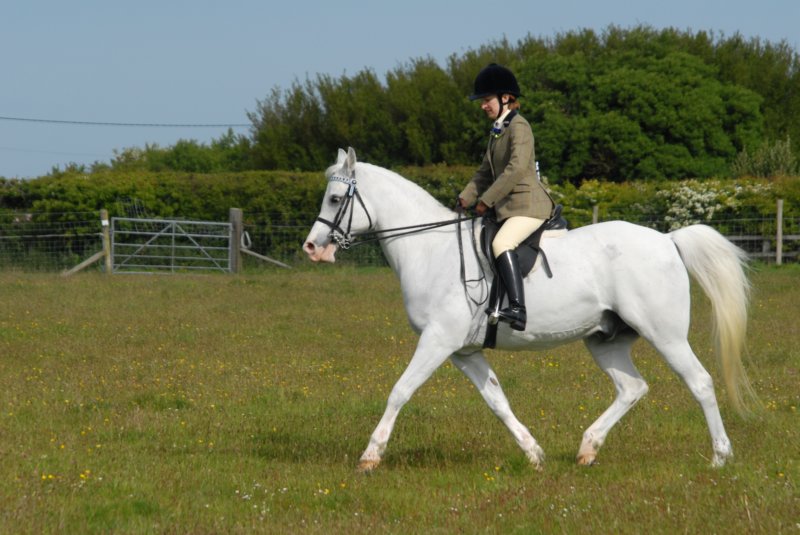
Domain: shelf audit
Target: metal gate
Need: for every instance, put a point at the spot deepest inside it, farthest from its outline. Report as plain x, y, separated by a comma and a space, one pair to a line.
158, 245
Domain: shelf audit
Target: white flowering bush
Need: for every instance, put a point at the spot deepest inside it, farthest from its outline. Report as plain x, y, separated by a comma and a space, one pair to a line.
669, 205
691, 201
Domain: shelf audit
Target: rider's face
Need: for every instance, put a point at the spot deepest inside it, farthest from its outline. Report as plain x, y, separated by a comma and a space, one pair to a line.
491, 106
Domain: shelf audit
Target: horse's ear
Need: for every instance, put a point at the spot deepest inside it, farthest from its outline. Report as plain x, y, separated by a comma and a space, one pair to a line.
350, 164
340, 158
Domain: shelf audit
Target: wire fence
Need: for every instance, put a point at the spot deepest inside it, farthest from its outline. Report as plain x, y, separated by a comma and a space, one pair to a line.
59, 241
48, 241
285, 242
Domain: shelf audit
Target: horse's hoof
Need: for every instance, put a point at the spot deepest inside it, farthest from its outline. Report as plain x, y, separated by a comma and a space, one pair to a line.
718, 461
722, 453
536, 457
366, 466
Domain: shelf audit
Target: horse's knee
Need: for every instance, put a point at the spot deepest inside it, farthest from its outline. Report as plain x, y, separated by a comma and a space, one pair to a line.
398, 397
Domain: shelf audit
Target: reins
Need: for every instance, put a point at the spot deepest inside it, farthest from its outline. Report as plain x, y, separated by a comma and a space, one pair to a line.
346, 240
376, 235
463, 268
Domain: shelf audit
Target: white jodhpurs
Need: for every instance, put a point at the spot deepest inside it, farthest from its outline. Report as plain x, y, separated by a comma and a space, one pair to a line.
513, 231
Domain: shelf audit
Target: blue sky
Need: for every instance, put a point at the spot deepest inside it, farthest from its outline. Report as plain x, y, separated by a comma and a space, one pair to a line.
203, 62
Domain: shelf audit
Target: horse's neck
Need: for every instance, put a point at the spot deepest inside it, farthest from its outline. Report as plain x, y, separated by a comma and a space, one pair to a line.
401, 203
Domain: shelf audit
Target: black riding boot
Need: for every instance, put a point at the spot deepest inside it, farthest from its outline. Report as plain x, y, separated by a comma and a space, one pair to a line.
514, 313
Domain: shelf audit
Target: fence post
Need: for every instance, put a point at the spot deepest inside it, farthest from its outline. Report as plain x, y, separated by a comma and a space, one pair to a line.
779, 234
235, 253
595, 214
106, 240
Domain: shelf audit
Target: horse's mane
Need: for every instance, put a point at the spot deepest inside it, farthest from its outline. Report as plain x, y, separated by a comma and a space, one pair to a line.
411, 190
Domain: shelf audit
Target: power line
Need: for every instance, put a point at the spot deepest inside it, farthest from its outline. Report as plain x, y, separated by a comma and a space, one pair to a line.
102, 123
55, 153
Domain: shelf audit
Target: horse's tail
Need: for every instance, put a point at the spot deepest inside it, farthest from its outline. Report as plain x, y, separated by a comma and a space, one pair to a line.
719, 267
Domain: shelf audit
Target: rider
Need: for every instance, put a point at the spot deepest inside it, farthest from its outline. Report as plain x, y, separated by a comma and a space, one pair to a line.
507, 182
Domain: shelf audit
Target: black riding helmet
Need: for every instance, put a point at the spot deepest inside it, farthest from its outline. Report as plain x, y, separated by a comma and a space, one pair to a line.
497, 80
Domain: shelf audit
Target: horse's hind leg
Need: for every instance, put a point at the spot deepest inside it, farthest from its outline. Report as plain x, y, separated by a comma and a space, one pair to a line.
614, 358
681, 358
477, 369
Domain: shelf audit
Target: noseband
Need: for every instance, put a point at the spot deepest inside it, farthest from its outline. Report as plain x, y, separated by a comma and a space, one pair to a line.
344, 238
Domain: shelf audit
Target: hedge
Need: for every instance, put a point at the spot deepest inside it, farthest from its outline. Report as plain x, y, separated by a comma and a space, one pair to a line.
290, 198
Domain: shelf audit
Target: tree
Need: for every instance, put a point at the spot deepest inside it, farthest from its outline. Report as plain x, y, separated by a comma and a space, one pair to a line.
618, 115
428, 109
623, 104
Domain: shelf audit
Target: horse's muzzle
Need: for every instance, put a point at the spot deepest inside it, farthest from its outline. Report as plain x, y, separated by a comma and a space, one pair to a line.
317, 253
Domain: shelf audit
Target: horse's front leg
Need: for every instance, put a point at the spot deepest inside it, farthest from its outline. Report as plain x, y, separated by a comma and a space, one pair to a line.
477, 369
431, 352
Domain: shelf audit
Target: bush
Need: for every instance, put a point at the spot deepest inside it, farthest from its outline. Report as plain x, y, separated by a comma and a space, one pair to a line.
292, 198
768, 160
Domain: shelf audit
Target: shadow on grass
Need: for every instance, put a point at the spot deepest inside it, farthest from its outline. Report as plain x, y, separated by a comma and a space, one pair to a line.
296, 447
299, 447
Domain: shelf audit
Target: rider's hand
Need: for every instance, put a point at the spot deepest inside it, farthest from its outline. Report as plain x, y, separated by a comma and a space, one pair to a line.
461, 205
481, 208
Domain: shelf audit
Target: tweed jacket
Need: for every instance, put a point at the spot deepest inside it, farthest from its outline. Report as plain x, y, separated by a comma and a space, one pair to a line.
506, 179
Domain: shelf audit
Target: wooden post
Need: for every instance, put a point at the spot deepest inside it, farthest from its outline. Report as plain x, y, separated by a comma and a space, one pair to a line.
779, 234
86, 263
106, 241
595, 214
235, 254
100, 255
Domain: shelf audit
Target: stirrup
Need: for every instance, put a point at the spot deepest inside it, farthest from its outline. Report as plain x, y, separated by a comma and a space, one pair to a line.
516, 317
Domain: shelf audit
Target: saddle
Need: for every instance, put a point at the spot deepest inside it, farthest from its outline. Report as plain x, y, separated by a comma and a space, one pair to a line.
527, 252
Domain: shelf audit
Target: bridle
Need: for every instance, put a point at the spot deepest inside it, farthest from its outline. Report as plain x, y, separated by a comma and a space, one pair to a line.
347, 239
344, 238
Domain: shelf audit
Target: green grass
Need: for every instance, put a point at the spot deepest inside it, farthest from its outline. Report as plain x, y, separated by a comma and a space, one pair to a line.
217, 404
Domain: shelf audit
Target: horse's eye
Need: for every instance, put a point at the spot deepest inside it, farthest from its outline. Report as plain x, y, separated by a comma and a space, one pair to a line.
335, 199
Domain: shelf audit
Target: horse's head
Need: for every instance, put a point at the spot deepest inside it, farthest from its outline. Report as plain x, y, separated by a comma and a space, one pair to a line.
343, 211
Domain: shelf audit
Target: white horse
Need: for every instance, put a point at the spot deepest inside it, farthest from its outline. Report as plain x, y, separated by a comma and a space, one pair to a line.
611, 283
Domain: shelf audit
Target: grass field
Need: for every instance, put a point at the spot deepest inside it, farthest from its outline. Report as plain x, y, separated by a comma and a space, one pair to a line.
217, 404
